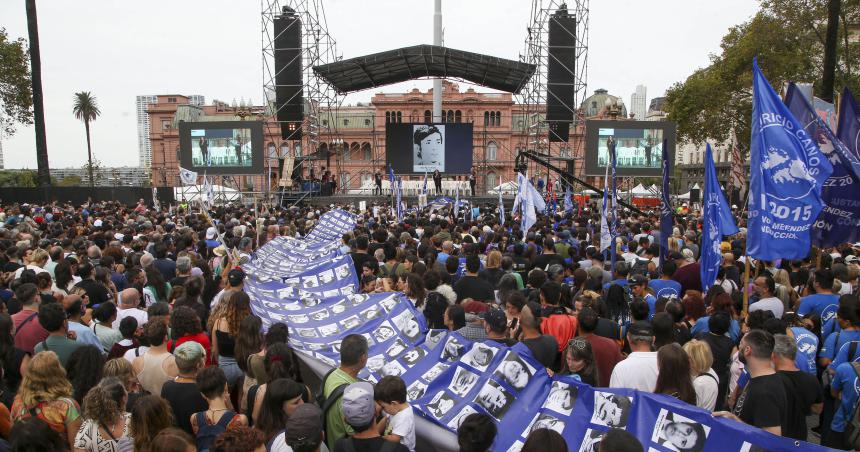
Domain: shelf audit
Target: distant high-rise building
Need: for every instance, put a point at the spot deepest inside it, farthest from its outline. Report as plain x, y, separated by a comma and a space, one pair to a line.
1, 153
637, 103
144, 145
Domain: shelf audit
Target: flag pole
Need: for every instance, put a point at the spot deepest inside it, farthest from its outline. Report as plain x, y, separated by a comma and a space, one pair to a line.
746, 304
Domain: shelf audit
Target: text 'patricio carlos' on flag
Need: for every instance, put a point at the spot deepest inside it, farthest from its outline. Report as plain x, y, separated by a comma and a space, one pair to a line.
787, 171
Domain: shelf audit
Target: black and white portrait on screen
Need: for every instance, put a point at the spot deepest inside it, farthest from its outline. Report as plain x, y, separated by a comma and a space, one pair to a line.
428, 148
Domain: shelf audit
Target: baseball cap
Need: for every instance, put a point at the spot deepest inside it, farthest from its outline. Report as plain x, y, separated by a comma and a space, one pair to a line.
640, 329
97, 223
304, 425
211, 232
495, 318
674, 255
357, 404
236, 277
638, 279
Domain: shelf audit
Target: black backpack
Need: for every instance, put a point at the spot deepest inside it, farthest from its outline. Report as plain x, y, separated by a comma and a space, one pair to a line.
326, 403
206, 433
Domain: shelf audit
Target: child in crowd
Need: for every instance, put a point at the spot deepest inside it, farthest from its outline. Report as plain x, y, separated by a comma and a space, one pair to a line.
390, 394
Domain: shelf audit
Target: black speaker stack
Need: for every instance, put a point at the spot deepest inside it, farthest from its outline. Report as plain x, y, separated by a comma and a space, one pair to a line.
561, 72
289, 99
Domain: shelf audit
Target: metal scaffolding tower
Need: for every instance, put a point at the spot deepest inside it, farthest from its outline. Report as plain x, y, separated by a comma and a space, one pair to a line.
320, 99
534, 96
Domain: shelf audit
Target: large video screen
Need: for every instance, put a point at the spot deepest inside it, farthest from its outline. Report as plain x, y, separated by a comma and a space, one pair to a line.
225, 147
638, 146
424, 148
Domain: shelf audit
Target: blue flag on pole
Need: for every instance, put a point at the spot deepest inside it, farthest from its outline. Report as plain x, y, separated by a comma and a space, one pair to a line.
717, 221
605, 236
568, 200
501, 207
838, 222
787, 171
665, 208
391, 177
613, 219
530, 200
457, 202
399, 197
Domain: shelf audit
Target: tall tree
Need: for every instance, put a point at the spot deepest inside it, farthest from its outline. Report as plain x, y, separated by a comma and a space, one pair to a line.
86, 109
833, 12
16, 94
38, 100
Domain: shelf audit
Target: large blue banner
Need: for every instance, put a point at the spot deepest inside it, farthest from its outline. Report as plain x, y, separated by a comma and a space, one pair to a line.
839, 221
717, 221
449, 377
787, 171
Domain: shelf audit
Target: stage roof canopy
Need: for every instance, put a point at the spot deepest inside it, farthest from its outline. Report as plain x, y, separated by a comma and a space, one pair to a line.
414, 62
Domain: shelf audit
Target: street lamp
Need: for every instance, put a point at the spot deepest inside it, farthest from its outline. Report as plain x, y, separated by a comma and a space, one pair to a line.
613, 107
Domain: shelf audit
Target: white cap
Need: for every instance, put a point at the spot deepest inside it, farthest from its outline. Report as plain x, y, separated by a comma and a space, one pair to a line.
97, 223
211, 233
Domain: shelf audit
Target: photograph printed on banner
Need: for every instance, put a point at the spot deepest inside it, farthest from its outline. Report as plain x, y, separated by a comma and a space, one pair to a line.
434, 372
309, 282
388, 303
369, 338
591, 441
351, 322
434, 337
384, 332
299, 318
495, 399
453, 350
328, 330
440, 405
463, 382
307, 332
749, 447
326, 276
544, 420
611, 410
396, 348
293, 282
480, 356
514, 370
286, 292
392, 368
375, 363
348, 290
371, 313
342, 271
358, 298
278, 317
322, 314
413, 356
455, 422
338, 307
309, 299
561, 398
407, 324
677, 433
415, 391
330, 293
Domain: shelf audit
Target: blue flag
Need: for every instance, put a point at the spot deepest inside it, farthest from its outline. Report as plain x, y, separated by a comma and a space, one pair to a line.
841, 192
717, 221
665, 208
399, 197
568, 200
501, 207
787, 171
457, 202
391, 177
613, 219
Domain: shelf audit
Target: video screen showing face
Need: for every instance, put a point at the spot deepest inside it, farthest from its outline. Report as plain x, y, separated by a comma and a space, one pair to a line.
221, 147
634, 148
428, 151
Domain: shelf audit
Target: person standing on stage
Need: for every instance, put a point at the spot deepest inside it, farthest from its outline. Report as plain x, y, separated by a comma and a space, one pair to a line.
472, 182
437, 181
377, 179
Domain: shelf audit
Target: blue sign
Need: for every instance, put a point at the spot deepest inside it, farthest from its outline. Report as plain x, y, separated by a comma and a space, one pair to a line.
787, 172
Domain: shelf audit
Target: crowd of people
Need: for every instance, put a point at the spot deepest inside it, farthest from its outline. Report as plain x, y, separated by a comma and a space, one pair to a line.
126, 328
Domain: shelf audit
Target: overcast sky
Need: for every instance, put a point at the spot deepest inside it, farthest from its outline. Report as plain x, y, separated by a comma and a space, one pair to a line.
118, 49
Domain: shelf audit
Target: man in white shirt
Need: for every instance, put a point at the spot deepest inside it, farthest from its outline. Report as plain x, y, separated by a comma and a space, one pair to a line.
765, 287
127, 306
38, 259
639, 370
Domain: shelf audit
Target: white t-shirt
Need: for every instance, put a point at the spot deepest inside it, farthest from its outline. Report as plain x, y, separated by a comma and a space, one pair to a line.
846, 288
133, 353
138, 314
706, 386
403, 425
639, 371
771, 304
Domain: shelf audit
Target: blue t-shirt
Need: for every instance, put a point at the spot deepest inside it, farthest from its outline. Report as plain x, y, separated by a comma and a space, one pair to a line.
665, 288
847, 382
834, 344
815, 304
652, 302
832, 326
807, 349
743, 378
620, 282
701, 326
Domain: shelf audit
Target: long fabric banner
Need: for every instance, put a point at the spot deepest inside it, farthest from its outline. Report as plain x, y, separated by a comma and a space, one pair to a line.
449, 377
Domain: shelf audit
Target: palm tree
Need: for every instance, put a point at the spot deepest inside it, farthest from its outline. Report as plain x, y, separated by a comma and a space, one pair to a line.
38, 103
86, 109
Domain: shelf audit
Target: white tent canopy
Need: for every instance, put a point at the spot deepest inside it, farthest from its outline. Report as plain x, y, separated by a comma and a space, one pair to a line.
640, 190
507, 188
195, 192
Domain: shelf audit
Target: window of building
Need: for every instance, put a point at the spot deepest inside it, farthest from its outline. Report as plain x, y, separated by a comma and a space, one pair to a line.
366, 151
492, 180
428, 116
450, 116
458, 116
486, 118
367, 122
387, 117
399, 116
325, 122
564, 152
344, 180
366, 179
273, 153
165, 124
298, 150
346, 122
171, 100
498, 118
491, 150
285, 150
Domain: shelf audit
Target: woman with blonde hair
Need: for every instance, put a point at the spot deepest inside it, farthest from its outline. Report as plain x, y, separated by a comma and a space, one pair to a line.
121, 369
105, 418
493, 272
46, 394
784, 290
705, 380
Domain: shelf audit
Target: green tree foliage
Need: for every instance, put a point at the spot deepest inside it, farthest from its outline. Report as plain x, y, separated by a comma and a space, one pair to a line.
16, 93
787, 36
87, 109
23, 178
70, 181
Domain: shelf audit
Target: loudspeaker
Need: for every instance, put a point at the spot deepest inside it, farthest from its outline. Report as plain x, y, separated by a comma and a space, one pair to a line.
694, 195
289, 99
559, 132
561, 68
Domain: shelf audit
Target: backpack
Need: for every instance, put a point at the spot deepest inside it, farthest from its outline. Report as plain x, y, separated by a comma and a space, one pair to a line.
206, 433
326, 403
347, 445
392, 273
852, 427
250, 398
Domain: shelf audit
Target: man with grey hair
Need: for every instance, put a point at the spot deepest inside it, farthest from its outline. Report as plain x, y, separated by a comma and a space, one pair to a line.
802, 390
183, 271
639, 370
94, 255
129, 300
245, 249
